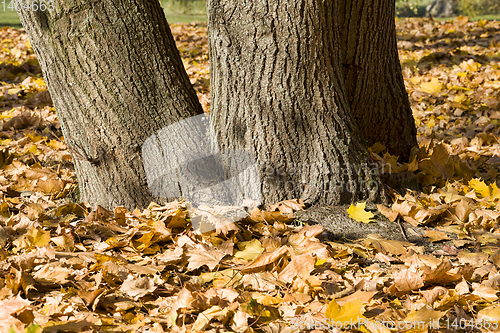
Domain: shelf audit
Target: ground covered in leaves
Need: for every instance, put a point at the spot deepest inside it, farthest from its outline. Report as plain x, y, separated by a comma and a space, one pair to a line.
66, 268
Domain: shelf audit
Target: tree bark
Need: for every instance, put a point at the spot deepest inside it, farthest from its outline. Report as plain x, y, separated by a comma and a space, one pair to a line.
374, 84
116, 78
277, 86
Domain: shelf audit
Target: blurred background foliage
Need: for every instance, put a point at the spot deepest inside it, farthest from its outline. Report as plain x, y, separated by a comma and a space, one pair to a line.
471, 8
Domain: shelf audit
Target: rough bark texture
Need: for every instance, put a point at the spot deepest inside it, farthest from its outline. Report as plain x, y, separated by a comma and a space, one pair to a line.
277, 91
116, 78
373, 80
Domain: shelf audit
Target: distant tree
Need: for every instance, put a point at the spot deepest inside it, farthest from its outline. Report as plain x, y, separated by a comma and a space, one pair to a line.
442, 8
304, 86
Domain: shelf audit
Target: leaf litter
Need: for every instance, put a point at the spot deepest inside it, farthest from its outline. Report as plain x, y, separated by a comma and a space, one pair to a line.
66, 268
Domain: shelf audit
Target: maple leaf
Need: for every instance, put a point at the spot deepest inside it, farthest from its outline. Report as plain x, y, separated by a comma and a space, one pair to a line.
425, 314
407, 279
297, 267
203, 255
38, 237
432, 87
350, 312
249, 250
265, 259
359, 213
480, 187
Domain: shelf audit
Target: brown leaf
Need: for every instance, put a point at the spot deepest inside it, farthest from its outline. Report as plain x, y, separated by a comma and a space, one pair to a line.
408, 279
387, 212
204, 255
8, 308
287, 207
265, 259
386, 246
297, 267
137, 287
435, 236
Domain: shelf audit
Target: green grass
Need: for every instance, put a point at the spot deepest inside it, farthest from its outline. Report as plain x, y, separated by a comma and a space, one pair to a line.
183, 18
492, 17
9, 17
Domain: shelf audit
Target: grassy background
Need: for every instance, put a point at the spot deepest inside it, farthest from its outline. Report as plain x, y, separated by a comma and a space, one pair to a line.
174, 14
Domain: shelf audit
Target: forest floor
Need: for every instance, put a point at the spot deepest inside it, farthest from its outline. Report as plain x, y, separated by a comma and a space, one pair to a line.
66, 268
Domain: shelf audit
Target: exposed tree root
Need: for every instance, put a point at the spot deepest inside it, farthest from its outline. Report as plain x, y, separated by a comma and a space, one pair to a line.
339, 225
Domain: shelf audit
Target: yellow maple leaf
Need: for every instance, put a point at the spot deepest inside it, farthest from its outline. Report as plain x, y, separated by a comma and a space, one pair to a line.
38, 238
359, 213
55, 144
480, 187
346, 315
433, 87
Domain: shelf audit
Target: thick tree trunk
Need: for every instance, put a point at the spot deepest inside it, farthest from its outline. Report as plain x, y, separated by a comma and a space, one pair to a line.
373, 80
116, 78
277, 88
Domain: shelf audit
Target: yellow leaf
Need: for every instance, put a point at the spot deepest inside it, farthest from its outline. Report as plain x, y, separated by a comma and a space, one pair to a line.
320, 262
5, 142
102, 258
480, 187
344, 316
144, 242
38, 238
470, 65
424, 314
265, 299
40, 82
249, 250
55, 144
359, 213
433, 87
33, 137
495, 192
459, 98
31, 149
431, 123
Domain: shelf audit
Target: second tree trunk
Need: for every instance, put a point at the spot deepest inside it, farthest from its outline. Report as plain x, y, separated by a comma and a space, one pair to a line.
277, 86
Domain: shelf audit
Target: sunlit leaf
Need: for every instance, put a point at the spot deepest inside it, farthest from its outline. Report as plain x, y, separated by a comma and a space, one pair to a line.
359, 213
349, 312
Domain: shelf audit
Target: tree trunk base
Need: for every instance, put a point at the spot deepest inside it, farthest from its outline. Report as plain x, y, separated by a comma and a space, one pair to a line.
338, 225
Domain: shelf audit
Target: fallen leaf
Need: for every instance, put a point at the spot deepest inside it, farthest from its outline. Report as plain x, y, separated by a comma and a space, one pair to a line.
359, 213
351, 312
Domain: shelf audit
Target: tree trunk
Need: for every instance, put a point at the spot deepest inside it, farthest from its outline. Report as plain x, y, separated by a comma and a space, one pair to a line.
277, 86
373, 80
116, 78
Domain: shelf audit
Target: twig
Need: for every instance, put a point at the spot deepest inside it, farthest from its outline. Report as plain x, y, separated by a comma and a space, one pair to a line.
402, 229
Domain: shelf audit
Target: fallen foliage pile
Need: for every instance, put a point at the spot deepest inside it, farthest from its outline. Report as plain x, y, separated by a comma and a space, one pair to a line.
65, 268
